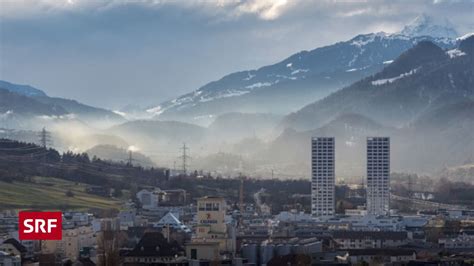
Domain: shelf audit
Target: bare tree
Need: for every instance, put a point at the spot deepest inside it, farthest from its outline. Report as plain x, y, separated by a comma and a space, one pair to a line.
109, 243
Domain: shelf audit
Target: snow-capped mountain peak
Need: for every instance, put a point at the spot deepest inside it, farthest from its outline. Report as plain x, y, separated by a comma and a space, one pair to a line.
424, 25
305, 76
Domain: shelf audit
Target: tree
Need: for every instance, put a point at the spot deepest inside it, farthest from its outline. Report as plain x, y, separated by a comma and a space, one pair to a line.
117, 193
69, 193
109, 243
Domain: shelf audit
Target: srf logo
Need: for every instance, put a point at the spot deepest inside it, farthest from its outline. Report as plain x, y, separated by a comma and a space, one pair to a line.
40, 225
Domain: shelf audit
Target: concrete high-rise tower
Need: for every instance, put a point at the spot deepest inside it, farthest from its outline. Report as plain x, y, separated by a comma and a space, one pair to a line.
322, 177
378, 175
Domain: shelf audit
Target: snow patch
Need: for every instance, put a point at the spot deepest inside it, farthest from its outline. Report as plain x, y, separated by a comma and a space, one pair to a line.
225, 94
362, 40
299, 71
465, 36
56, 117
455, 53
356, 69
289, 65
156, 110
387, 62
258, 85
390, 80
250, 76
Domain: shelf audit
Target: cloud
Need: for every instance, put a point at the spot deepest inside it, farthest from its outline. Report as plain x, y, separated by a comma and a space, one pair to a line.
116, 52
263, 9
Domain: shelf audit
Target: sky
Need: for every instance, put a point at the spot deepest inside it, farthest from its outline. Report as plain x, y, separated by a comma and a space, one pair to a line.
114, 53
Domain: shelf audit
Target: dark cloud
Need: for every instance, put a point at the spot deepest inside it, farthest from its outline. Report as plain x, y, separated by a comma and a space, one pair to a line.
111, 53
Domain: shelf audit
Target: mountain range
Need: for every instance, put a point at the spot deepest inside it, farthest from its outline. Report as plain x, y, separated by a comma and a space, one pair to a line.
24, 106
424, 101
303, 77
421, 79
415, 86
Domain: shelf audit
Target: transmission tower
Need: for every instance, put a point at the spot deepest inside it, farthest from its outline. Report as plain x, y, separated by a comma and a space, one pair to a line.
184, 157
44, 138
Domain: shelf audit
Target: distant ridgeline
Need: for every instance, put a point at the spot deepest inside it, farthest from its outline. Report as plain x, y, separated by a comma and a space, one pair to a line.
20, 160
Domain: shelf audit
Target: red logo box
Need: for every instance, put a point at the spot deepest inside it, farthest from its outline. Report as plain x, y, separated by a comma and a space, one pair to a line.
40, 225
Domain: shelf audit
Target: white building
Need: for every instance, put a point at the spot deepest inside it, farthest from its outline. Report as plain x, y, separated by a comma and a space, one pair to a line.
286, 216
378, 175
72, 242
127, 218
322, 177
149, 199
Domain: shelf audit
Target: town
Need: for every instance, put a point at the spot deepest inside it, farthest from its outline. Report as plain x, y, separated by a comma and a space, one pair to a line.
169, 227
236, 132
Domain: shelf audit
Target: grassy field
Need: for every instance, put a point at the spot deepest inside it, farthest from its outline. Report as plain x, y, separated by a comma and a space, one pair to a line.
46, 193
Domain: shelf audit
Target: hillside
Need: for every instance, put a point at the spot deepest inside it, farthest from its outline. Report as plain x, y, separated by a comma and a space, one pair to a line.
24, 106
17, 104
149, 131
82, 111
44, 193
423, 100
401, 92
236, 126
117, 154
25, 90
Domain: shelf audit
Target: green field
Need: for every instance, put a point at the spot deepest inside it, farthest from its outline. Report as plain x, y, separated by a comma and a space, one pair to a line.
45, 193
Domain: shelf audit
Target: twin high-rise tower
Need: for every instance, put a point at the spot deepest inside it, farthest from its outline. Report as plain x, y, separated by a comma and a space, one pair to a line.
378, 175
323, 176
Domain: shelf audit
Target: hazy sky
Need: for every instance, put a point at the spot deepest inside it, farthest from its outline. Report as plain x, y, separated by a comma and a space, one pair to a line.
113, 53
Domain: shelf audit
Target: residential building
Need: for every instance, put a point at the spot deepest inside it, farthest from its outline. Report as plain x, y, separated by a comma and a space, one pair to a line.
12, 246
378, 175
72, 242
211, 224
207, 251
7, 259
322, 177
369, 239
149, 199
380, 256
154, 249
127, 218
462, 241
